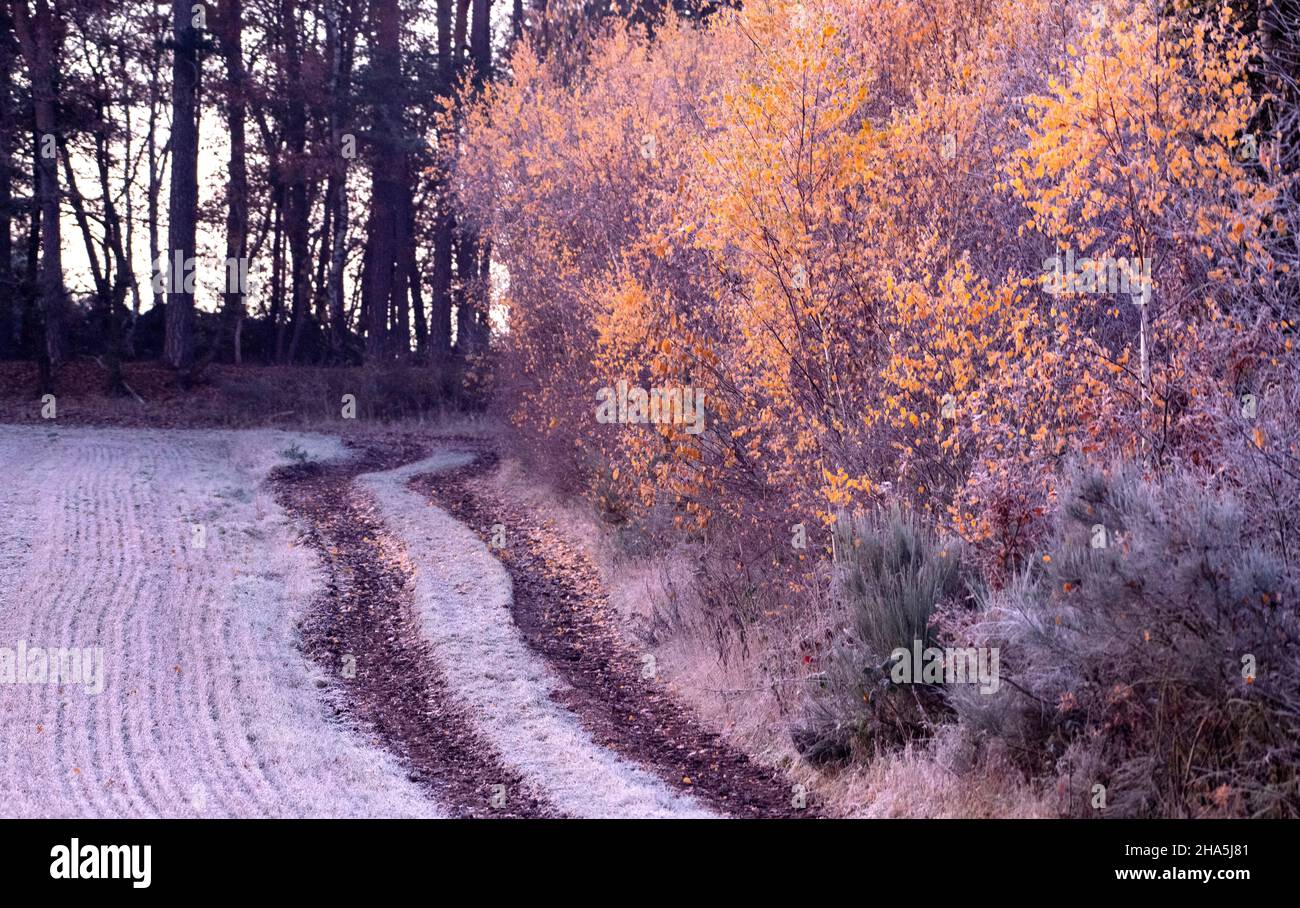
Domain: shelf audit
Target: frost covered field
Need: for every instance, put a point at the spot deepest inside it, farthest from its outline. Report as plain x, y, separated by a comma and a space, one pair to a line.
162, 553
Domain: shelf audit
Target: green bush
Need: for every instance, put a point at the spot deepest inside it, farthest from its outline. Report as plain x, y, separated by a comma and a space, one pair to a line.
890, 573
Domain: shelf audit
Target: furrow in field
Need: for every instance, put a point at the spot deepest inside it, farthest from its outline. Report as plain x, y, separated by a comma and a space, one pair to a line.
208, 707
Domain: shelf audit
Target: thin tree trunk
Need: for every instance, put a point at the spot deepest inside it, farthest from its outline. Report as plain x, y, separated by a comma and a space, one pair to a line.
156, 163
415, 281
36, 38
129, 165
123, 274
34, 227
237, 179
466, 278
473, 261
484, 295
31, 304
480, 42
178, 348
83, 223
337, 17
417, 307
320, 256
440, 289
298, 211
403, 265
277, 275
9, 302
462, 27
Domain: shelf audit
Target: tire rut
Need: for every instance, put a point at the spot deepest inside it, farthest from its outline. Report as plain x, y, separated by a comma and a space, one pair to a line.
564, 614
397, 693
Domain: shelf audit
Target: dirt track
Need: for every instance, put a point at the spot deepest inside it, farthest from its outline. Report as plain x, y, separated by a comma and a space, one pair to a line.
464, 603
562, 610
331, 643
363, 619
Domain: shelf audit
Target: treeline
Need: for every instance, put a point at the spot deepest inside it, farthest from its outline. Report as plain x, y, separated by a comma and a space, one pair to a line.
331, 126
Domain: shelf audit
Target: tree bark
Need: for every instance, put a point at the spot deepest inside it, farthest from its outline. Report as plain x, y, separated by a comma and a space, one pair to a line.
9, 302
462, 29
298, 210
467, 271
275, 303
35, 34
337, 18
441, 287
128, 199
440, 290
156, 162
473, 258
403, 264
417, 308
232, 14
390, 183
480, 42
178, 348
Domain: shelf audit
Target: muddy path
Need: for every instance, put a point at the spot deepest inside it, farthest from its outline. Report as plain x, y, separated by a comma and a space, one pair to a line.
564, 614
362, 631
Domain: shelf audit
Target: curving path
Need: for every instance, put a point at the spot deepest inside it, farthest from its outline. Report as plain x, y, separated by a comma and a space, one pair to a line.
463, 598
327, 643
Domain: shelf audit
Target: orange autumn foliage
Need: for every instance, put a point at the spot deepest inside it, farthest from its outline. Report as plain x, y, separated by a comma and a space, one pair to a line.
832, 217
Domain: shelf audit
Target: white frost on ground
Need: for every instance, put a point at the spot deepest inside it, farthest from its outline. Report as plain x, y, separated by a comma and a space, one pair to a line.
463, 600
208, 708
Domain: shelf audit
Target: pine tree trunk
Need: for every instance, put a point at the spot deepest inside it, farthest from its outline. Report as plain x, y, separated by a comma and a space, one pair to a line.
9, 302
390, 187
474, 262
440, 302
298, 210
337, 192
178, 348
36, 38
155, 180
237, 171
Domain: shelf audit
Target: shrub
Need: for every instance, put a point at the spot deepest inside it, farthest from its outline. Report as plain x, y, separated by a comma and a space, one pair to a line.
890, 573
1127, 655
294, 454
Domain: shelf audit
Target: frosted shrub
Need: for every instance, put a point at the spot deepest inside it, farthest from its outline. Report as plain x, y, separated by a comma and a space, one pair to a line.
1161, 664
890, 573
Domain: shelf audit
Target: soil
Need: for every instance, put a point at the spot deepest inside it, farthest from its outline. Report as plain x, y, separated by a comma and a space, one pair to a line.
366, 612
200, 702
564, 613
